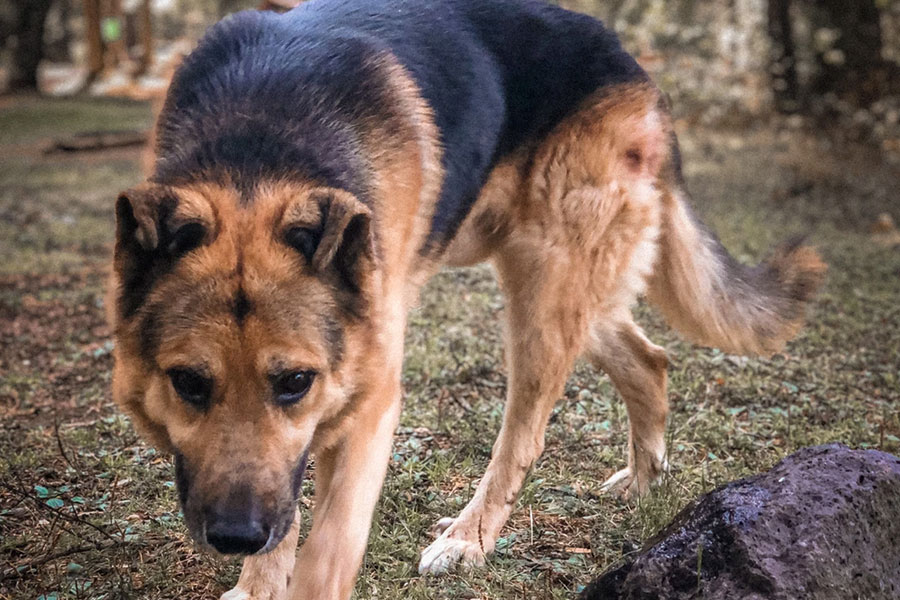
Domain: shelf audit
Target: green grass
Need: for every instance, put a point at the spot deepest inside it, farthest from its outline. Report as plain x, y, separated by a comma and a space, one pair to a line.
88, 511
35, 119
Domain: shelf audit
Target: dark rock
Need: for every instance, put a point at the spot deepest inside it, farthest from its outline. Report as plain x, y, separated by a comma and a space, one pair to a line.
823, 524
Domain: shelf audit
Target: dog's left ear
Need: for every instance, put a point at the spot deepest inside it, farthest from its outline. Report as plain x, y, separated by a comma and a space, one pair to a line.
341, 242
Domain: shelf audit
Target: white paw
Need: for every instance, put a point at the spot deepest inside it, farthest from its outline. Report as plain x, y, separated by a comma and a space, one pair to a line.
619, 483
446, 551
627, 486
236, 594
268, 593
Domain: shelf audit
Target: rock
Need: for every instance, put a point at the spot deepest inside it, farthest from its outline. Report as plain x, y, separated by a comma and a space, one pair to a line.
823, 524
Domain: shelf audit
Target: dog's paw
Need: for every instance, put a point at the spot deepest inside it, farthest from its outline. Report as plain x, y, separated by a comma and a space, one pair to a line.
239, 593
236, 594
623, 484
627, 486
448, 550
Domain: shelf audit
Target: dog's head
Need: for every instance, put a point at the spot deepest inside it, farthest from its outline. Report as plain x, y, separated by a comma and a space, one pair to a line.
237, 325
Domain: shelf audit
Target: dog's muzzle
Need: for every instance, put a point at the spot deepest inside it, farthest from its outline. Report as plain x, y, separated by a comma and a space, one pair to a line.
237, 522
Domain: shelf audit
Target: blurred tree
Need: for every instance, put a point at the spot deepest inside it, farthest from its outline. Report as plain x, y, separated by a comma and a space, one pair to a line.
58, 34
7, 22
113, 30
31, 15
851, 67
783, 60
93, 38
145, 26
845, 47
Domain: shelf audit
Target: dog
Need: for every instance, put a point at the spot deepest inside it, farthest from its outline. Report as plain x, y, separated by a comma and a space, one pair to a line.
313, 170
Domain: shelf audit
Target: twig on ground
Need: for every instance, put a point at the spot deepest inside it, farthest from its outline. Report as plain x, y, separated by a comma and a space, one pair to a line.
98, 140
37, 562
67, 517
467, 408
59, 444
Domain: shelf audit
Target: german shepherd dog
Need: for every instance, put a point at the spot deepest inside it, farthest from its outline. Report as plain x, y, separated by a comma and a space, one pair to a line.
313, 169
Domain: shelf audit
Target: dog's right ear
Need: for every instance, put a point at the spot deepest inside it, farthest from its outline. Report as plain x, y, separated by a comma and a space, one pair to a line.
147, 219
139, 212
152, 232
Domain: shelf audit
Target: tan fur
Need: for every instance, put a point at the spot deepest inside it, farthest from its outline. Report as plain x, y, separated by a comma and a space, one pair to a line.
354, 444
692, 288
581, 239
350, 414
637, 368
576, 225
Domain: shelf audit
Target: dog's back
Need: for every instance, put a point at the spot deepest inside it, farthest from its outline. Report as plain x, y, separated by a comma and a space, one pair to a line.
496, 75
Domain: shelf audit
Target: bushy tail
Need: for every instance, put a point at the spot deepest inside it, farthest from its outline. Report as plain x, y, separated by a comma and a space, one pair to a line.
714, 300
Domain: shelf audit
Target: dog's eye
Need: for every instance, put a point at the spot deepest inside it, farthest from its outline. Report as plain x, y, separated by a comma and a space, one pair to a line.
193, 388
291, 386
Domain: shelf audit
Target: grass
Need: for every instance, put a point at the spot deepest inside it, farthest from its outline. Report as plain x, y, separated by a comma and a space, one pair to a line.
88, 511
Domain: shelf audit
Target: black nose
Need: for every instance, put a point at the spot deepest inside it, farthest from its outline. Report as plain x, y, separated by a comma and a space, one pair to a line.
230, 535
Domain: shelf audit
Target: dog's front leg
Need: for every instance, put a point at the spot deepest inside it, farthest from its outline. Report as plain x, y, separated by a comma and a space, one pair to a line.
266, 576
349, 475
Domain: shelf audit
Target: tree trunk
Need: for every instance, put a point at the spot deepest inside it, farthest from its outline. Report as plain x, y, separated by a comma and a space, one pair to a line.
145, 25
29, 50
853, 69
93, 38
7, 22
783, 62
116, 50
57, 35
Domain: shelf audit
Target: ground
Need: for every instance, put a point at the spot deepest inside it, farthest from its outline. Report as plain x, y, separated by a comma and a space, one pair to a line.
87, 510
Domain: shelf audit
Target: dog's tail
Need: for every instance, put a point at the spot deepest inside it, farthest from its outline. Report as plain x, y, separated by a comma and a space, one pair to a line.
714, 300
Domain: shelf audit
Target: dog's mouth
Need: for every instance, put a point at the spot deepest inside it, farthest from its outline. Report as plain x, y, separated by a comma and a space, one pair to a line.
239, 524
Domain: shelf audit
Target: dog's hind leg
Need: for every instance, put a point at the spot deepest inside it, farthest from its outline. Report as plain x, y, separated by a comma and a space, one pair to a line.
637, 368
581, 240
266, 576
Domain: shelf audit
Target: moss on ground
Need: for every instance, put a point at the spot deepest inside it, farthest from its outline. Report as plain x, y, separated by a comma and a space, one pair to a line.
88, 511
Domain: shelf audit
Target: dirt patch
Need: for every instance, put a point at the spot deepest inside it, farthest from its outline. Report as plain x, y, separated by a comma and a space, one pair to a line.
55, 350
